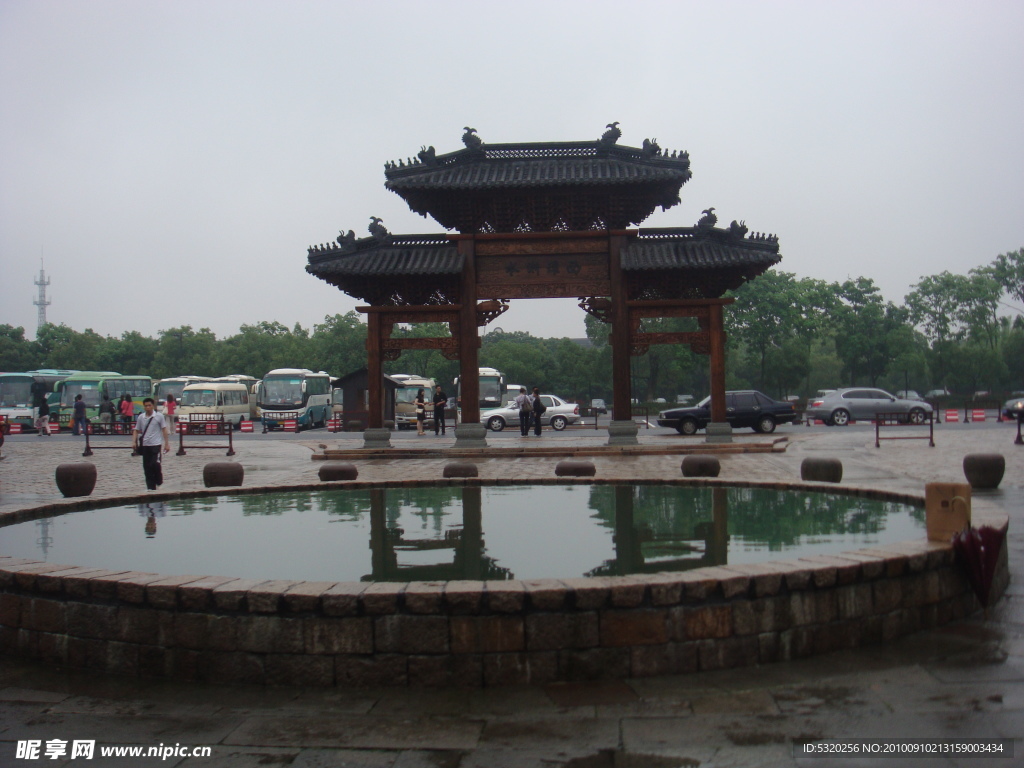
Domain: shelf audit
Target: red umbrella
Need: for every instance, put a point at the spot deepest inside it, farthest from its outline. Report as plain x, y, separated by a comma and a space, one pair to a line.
978, 549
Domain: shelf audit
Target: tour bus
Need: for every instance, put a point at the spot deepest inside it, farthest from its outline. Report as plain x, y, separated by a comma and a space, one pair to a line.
19, 393
92, 385
173, 386
405, 399
297, 394
226, 398
252, 384
492, 388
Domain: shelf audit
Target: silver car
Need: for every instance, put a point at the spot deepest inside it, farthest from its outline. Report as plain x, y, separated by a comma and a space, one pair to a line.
862, 404
559, 414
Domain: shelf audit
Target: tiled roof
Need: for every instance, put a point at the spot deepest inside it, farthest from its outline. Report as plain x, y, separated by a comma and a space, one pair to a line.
397, 255
691, 248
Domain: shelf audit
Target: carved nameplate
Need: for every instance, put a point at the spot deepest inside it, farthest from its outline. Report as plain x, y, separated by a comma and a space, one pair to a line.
541, 247
537, 276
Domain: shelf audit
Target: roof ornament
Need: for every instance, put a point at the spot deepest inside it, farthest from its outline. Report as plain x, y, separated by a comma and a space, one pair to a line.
426, 155
378, 230
470, 139
651, 148
738, 229
708, 220
347, 240
610, 136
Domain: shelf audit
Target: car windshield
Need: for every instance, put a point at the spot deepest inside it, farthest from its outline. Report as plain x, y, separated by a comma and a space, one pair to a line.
705, 402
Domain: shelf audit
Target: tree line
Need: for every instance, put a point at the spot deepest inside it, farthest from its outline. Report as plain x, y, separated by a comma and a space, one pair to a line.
786, 336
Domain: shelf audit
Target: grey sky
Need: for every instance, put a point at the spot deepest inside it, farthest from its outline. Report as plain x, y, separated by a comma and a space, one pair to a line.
172, 161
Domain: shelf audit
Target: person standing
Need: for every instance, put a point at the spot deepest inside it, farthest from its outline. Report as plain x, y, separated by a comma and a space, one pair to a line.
78, 425
149, 434
170, 404
107, 411
420, 404
538, 410
43, 418
440, 403
127, 409
525, 412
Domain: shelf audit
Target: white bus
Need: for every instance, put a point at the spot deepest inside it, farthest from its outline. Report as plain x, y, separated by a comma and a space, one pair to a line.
295, 394
229, 399
174, 385
492, 388
405, 398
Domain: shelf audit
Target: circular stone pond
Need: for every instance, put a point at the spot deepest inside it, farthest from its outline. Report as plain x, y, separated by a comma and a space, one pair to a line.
469, 582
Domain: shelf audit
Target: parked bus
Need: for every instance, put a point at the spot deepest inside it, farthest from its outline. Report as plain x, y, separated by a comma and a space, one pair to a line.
252, 384
21, 392
295, 394
405, 398
173, 386
92, 385
492, 388
227, 398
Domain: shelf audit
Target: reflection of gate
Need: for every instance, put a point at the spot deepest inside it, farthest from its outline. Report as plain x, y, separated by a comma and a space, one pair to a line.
543, 221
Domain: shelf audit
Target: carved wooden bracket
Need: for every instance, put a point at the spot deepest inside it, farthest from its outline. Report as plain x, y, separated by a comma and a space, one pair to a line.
486, 311
598, 307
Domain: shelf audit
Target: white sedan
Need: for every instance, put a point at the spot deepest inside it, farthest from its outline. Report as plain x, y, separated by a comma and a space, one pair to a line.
558, 416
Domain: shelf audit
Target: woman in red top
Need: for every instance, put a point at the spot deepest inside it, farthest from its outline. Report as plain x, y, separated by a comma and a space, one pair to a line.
127, 409
169, 406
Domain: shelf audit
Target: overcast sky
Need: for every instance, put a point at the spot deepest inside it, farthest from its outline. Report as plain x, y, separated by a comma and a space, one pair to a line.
172, 161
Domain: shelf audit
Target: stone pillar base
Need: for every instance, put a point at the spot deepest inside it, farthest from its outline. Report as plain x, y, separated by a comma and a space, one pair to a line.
623, 432
376, 437
718, 432
469, 435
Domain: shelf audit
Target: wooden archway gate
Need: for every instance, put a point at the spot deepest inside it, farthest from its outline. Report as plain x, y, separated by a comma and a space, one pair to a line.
585, 265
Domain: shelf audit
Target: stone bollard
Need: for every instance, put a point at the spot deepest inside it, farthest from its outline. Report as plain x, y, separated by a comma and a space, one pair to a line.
821, 470
76, 479
984, 471
337, 470
389, 424
460, 469
220, 473
354, 426
575, 468
701, 466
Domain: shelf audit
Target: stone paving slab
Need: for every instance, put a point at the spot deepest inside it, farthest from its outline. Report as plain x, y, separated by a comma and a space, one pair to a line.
366, 732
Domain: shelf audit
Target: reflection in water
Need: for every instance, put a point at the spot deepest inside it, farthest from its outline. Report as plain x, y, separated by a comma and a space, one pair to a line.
478, 533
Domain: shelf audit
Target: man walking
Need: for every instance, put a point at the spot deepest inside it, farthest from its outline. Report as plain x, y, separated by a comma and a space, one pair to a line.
525, 412
440, 403
150, 432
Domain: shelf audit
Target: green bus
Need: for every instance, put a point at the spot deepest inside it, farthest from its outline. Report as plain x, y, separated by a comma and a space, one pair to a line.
92, 385
20, 393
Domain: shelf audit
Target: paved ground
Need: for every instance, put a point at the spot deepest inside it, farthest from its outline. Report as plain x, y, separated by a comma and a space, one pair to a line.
963, 681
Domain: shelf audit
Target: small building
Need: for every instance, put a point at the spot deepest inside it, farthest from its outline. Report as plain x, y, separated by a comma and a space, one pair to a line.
355, 396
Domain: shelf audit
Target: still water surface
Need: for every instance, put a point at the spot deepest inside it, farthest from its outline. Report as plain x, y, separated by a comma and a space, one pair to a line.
521, 532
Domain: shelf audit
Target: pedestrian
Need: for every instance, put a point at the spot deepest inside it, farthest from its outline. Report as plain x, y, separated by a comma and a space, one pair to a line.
107, 410
525, 412
538, 410
420, 404
170, 405
78, 423
43, 418
440, 403
149, 433
127, 409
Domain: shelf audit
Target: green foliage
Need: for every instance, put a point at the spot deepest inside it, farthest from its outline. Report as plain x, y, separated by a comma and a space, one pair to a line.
16, 353
1008, 271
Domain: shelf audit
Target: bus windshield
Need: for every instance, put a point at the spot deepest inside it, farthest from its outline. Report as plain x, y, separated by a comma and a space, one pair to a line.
89, 390
490, 391
408, 394
205, 398
282, 392
15, 391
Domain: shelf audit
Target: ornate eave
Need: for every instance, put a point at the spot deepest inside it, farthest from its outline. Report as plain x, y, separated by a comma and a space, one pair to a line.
540, 187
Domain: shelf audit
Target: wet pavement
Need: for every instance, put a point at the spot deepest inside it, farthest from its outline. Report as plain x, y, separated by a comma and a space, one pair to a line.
965, 680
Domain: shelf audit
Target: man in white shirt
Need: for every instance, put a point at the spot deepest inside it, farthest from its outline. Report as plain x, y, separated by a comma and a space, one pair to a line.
150, 431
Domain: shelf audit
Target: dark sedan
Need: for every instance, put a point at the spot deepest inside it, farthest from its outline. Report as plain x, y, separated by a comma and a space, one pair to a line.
746, 408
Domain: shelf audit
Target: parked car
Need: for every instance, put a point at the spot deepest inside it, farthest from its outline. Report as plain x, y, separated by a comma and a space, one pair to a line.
931, 394
863, 403
908, 394
1014, 408
558, 414
746, 408
597, 405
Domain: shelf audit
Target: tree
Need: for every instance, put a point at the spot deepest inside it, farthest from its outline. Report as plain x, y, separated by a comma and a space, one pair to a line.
184, 352
1008, 271
339, 344
16, 352
868, 331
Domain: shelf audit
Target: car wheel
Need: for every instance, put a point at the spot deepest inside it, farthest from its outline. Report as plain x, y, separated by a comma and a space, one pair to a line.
840, 417
496, 423
687, 427
765, 425
917, 416
558, 423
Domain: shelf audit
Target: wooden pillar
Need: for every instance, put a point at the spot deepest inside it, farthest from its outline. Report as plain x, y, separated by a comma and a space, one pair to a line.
469, 338
622, 386
374, 369
716, 332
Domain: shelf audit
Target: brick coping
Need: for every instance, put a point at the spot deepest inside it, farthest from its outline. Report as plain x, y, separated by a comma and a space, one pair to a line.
219, 628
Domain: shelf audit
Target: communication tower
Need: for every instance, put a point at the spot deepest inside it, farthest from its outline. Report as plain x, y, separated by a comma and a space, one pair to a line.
42, 302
